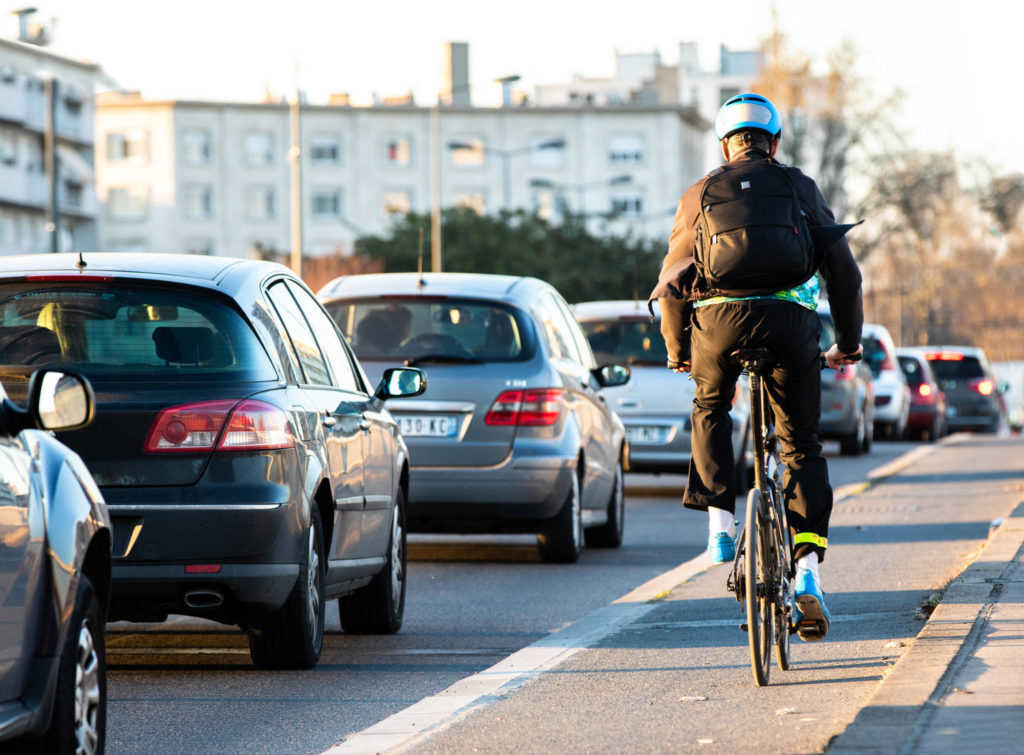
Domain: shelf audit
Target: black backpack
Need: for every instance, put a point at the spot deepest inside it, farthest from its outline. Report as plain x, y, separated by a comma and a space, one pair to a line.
752, 237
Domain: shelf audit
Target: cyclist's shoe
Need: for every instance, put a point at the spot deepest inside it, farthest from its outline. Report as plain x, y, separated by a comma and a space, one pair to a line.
721, 547
810, 616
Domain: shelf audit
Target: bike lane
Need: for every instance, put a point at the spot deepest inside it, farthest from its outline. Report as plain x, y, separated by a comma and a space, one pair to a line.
666, 668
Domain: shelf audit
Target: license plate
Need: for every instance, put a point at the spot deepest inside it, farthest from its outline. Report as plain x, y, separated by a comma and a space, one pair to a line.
645, 434
429, 425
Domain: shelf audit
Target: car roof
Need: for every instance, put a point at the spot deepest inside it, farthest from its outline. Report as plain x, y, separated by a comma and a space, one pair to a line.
193, 269
601, 310
974, 351
471, 285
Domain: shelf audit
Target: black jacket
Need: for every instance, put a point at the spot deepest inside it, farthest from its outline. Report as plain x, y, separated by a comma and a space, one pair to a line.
679, 285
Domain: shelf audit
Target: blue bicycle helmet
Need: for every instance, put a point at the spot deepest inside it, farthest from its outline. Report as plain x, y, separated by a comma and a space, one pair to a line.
747, 110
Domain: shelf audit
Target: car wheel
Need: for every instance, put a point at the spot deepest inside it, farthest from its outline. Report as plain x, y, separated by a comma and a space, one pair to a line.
562, 540
378, 607
609, 534
80, 703
865, 445
292, 636
853, 442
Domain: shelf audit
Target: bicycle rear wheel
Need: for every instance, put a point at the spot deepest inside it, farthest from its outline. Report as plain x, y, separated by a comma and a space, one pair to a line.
782, 604
758, 600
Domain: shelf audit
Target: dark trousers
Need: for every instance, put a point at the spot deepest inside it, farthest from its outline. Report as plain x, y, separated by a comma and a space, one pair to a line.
794, 389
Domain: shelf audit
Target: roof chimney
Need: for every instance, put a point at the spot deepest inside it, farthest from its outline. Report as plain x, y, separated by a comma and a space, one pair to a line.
455, 73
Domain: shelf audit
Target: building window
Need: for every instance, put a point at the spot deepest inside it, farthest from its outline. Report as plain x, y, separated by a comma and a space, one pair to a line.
548, 205
627, 205
626, 150
199, 202
726, 93
398, 151
259, 148
259, 202
128, 203
73, 193
467, 153
199, 246
129, 246
195, 145
396, 202
544, 155
474, 200
128, 146
326, 203
325, 150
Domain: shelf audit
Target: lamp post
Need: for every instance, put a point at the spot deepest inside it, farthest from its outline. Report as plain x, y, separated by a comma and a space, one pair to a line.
506, 156
581, 188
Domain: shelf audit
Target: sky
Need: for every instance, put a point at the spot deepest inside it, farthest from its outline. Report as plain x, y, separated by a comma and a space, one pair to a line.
957, 61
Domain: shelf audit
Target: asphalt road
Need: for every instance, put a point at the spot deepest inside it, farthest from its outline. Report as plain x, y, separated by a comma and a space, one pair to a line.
188, 686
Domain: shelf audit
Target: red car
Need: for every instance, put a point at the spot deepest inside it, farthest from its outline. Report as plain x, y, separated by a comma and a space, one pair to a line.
927, 419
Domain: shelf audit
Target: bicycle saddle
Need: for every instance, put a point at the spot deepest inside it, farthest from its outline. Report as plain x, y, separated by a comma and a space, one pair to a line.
757, 360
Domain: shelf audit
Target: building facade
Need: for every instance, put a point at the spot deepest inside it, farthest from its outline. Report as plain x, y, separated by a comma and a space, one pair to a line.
214, 178
47, 181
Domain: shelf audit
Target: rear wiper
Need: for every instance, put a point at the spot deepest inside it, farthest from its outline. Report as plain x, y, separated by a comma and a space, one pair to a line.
442, 358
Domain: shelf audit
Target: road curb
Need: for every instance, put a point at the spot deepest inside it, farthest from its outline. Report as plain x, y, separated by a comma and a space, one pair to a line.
899, 711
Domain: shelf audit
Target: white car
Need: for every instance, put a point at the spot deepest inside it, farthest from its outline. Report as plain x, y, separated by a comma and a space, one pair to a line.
655, 404
892, 394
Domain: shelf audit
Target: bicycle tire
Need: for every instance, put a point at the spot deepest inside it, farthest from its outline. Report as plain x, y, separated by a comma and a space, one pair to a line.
782, 607
757, 598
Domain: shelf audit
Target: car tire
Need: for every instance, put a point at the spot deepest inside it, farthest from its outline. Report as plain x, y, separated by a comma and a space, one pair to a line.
81, 678
561, 541
609, 534
853, 443
292, 636
378, 608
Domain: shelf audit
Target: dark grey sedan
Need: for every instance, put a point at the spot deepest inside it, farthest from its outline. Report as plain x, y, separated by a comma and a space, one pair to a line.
515, 434
250, 470
54, 574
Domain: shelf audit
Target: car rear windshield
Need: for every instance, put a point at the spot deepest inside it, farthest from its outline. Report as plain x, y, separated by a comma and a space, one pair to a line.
955, 367
632, 340
437, 329
912, 370
127, 331
875, 354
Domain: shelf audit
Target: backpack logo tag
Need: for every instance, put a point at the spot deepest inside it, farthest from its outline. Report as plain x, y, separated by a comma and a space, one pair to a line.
744, 185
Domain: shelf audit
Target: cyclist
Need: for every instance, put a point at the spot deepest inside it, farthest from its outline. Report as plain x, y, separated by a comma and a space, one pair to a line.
702, 329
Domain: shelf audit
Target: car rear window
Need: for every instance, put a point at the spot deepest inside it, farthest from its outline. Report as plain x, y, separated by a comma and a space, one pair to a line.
954, 366
414, 328
874, 353
632, 340
127, 331
912, 370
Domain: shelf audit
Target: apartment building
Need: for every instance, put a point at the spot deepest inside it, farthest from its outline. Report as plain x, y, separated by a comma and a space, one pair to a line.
47, 181
214, 177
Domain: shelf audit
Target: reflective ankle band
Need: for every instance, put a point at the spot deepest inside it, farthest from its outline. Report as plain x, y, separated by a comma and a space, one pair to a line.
810, 537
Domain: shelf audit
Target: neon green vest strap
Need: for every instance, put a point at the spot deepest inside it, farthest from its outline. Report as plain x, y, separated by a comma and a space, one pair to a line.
810, 537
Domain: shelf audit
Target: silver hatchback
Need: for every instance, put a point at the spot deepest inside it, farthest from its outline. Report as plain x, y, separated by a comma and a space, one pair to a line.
655, 406
514, 433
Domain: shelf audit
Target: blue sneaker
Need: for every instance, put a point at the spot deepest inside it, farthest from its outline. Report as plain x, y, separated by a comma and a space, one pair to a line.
810, 616
721, 547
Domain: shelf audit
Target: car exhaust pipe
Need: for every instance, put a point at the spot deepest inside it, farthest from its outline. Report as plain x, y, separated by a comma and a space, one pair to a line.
203, 599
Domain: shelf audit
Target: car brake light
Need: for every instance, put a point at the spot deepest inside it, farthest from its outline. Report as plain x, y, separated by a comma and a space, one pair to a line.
192, 428
984, 386
945, 356
924, 390
537, 407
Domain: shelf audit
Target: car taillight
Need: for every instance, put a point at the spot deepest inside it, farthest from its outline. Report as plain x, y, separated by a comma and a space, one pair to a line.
196, 427
984, 386
923, 396
536, 407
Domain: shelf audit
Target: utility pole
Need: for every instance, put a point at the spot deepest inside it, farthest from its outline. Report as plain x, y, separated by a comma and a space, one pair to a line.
50, 158
295, 159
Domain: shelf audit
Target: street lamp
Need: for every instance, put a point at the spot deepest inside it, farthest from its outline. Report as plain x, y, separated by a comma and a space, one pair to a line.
581, 188
506, 155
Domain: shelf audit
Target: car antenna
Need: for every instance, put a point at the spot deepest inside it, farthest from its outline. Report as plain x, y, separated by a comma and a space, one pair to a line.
419, 263
81, 262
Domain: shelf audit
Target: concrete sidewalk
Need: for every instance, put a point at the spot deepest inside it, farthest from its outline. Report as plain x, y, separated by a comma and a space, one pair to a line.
960, 686
957, 687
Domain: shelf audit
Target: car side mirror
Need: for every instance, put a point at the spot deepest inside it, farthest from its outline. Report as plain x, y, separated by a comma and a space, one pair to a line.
401, 381
609, 375
60, 400
1003, 386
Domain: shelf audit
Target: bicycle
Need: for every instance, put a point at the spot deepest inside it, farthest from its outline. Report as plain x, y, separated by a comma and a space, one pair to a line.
763, 571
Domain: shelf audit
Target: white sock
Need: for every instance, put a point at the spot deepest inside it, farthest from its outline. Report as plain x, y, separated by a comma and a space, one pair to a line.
720, 520
809, 563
